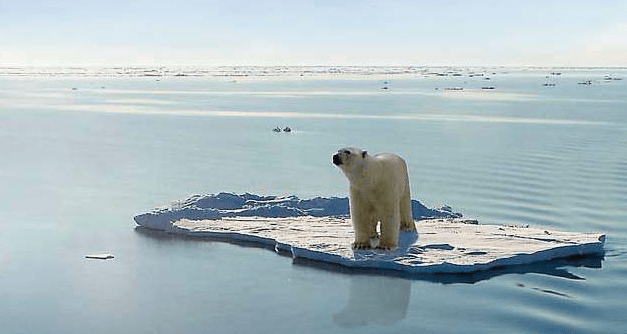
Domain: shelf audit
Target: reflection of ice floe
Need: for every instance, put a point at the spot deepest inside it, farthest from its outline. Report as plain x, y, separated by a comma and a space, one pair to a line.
319, 230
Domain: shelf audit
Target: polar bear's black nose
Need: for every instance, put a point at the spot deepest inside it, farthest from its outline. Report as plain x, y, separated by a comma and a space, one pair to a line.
336, 160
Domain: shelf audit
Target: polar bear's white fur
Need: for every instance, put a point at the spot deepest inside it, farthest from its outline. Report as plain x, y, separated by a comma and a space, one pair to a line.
379, 192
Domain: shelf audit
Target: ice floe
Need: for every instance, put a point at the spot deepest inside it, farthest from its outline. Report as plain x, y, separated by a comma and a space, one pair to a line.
319, 229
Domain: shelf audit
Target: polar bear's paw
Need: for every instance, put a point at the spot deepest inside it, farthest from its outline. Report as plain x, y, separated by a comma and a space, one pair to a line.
385, 246
361, 245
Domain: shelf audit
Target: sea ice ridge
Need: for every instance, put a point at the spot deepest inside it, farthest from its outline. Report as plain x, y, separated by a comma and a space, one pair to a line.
222, 205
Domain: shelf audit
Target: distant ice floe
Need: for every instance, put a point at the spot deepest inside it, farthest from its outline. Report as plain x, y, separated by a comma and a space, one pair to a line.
319, 229
241, 72
219, 71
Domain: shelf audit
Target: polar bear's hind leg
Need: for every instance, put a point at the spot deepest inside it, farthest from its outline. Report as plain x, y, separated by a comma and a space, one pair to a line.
407, 220
390, 226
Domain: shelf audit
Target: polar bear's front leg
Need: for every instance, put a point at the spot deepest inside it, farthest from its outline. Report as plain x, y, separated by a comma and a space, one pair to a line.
390, 226
362, 216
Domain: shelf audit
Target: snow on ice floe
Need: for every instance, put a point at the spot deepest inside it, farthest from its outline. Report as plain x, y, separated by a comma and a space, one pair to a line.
320, 229
222, 205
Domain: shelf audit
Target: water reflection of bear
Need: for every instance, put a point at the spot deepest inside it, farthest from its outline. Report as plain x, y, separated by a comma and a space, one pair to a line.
375, 300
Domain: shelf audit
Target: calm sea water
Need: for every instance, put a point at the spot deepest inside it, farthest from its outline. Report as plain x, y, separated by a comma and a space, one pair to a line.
82, 155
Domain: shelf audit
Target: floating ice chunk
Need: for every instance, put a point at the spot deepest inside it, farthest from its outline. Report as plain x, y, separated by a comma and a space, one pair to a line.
450, 245
99, 256
319, 229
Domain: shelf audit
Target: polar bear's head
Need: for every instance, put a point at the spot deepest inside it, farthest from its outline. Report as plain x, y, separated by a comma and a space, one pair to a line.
349, 159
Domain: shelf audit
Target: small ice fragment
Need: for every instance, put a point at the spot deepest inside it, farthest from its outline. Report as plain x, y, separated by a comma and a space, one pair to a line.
99, 256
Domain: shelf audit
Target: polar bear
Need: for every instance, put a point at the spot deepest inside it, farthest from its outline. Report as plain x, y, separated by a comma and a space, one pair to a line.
379, 192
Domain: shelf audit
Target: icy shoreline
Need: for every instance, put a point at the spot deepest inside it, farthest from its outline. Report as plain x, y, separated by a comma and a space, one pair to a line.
319, 229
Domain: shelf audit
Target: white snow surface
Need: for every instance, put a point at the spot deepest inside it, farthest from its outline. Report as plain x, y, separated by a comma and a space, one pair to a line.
215, 206
441, 245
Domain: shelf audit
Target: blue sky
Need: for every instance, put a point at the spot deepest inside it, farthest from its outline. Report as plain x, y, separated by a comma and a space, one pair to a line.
338, 32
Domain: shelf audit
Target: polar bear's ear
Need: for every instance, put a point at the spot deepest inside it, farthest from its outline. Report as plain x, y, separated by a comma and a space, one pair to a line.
364, 153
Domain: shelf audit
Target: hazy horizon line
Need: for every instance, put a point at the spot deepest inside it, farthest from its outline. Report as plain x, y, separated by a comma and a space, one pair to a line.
200, 66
